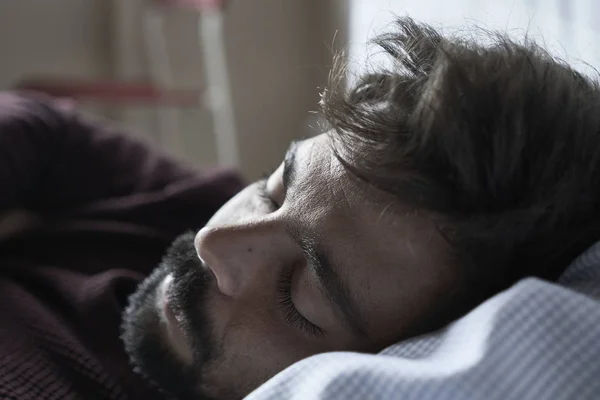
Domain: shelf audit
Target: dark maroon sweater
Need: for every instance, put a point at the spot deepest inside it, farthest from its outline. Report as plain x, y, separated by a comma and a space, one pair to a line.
109, 206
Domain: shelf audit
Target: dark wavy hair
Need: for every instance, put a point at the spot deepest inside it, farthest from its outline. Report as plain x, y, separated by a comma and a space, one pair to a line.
499, 141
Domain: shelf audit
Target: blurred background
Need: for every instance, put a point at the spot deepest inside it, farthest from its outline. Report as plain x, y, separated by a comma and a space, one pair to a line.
233, 82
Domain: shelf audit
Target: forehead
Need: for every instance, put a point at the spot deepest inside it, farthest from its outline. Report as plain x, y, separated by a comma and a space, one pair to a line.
389, 255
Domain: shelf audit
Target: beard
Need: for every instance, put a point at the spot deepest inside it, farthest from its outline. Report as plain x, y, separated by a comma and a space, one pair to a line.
143, 331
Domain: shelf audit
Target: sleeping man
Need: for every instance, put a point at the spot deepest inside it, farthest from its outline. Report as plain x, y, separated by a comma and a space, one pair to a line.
438, 183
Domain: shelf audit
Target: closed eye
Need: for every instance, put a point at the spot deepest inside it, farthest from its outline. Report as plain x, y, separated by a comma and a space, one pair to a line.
290, 313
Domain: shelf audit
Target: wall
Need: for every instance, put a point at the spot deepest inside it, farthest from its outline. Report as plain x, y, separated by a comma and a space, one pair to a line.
279, 54
55, 37
569, 28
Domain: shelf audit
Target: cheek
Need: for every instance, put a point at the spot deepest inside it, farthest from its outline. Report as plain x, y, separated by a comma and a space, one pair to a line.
249, 328
253, 352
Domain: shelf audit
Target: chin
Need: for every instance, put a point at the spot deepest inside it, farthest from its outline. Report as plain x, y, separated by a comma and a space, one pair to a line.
175, 366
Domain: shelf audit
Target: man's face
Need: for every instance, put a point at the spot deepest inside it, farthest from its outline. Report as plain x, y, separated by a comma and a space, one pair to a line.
308, 261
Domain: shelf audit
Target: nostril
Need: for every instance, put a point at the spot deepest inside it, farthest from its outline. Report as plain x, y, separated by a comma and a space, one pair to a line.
221, 285
199, 242
207, 269
207, 250
225, 282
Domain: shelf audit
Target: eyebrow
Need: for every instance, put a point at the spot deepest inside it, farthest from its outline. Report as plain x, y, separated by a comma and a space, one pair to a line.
335, 289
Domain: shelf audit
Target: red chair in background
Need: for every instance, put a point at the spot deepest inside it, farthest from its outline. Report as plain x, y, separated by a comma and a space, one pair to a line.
216, 95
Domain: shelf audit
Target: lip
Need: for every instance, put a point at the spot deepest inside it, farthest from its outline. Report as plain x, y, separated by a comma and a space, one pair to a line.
174, 333
167, 311
169, 314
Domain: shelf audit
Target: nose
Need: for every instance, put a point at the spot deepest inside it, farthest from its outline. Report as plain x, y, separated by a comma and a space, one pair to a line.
241, 256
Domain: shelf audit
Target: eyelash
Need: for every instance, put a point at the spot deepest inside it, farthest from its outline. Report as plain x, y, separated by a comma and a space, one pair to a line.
290, 312
284, 285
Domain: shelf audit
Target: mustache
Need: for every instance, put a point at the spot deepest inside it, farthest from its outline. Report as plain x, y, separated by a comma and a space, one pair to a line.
188, 294
189, 275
